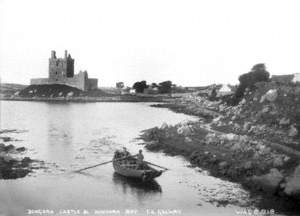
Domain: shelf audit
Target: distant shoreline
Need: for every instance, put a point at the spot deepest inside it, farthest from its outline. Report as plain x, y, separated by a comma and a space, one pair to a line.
122, 98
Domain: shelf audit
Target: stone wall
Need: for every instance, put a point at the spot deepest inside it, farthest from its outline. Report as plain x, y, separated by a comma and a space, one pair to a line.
79, 81
286, 78
92, 84
282, 78
39, 81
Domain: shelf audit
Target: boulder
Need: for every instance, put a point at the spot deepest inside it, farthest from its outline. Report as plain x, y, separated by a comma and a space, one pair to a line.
269, 182
70, 94
265, 150
278, 161
187, 139
223, 164
229, 136
293, 131
164, 126
21, 149
248, 165
222, 108
217, 119
6, 139
185, 130
242, 101
246, 126
2, 147
286, 158
211, 138
270, 96
236, 126
26, 161
284, 121
265, 109
292, 186
252, 129
236, 146
6, 158
9, 148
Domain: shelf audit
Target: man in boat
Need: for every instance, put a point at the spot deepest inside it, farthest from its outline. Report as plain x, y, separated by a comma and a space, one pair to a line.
140, 159
125, 152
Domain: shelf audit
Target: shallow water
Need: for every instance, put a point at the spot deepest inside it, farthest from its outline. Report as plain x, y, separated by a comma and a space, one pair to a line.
68, 136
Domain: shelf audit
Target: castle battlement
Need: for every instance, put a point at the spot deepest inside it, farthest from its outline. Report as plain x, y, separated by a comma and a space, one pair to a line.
61, 71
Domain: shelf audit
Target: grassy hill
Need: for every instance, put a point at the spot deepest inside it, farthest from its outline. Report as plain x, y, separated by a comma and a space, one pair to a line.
58, 90
10, 88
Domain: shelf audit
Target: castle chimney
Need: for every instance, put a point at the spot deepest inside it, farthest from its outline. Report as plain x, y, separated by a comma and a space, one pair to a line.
53, 54
66, 54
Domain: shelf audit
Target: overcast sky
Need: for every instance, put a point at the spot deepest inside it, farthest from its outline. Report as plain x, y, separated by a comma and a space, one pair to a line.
189, 42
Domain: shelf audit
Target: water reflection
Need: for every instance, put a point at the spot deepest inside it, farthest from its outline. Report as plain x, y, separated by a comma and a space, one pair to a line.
136, 187
60, 124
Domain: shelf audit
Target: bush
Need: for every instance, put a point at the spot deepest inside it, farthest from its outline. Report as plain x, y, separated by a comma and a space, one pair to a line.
140, 86
165, 87
258, 73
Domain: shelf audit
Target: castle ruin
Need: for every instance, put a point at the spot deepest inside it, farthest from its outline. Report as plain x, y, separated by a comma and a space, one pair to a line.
61, 71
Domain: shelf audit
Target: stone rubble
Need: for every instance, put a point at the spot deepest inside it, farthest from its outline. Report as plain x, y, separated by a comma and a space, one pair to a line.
255, 142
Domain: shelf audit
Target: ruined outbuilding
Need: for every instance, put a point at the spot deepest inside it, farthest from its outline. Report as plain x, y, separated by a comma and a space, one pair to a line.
289, 78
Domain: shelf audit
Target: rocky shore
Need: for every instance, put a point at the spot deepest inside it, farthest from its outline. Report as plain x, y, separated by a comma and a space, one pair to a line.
255, 143
12, 164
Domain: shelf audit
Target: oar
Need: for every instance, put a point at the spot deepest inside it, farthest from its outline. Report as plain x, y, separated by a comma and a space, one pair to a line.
157, 165
103, 163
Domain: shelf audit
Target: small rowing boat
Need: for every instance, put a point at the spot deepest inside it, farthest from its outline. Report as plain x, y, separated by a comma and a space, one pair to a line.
126, 165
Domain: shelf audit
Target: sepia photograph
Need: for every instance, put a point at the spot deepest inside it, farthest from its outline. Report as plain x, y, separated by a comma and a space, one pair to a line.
155, 108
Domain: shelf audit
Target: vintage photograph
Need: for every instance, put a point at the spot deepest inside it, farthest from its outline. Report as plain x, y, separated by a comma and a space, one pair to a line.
156, 108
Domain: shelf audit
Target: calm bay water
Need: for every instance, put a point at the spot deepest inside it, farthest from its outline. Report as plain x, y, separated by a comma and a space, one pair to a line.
68, 136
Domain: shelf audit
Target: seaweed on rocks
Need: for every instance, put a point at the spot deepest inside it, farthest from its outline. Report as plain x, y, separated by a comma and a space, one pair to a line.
12, 167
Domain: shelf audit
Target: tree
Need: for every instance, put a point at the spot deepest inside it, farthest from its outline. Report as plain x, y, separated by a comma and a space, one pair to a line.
119, 85
165, 87
154, 85
258, 73
140, 86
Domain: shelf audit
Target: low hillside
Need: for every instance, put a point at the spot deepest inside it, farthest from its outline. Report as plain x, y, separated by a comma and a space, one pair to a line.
272, 112
54, 90
10, 88
57, 90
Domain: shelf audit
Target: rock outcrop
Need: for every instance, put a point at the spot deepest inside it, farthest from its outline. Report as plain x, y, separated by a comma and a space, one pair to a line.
12, 167
292, 185
269, 182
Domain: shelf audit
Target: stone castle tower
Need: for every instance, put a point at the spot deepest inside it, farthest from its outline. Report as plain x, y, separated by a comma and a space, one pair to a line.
61, 71
60, 68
